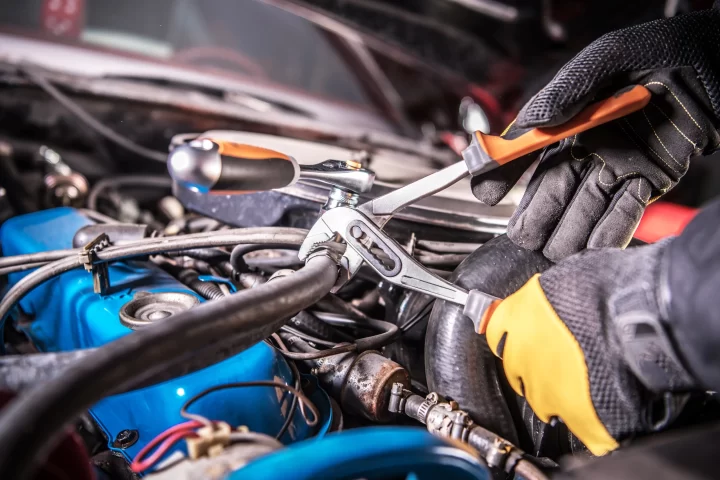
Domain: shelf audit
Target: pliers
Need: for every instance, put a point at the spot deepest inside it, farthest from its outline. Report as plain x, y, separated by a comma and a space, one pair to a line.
361, 227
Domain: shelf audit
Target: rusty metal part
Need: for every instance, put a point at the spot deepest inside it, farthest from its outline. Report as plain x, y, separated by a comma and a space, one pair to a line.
360, 382
367, 387
444, 418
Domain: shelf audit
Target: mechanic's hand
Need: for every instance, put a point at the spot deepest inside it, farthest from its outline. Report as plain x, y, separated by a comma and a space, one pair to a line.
590, 190
585, 342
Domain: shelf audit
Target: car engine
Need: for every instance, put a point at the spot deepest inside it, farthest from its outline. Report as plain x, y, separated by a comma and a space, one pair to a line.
173, 305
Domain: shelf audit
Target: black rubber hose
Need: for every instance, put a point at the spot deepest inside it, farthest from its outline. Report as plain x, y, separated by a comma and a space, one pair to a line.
308, 323
18, 372
150, 181
237, 254
32, 422
458, 362
207, 290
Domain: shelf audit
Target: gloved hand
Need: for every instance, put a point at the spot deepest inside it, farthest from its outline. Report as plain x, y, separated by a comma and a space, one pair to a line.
590, 190
586, 342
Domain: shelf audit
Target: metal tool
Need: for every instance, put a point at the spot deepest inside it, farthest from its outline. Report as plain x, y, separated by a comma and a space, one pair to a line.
219, 167
361, 227
209, 165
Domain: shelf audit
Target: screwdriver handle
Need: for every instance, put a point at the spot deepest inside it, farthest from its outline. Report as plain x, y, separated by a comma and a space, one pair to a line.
490, 151
212, 166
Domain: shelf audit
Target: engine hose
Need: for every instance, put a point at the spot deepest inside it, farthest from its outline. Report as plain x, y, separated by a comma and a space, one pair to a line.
18, 372
31, 423
152, 181
458, 362
237, 254
207, 290
308, 323
150, 246
30, 258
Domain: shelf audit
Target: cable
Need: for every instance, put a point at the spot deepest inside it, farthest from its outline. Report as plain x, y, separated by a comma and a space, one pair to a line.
296, 376
21, 268
389, 330
156, 181
321, 353
256, 437
97, 216
49, 256
304, 401
415, 319
166, 439
307, 338
335, 304
91, 121
147, 247
32, 421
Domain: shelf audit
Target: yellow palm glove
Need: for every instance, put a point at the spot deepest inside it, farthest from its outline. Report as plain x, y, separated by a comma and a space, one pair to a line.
569, 343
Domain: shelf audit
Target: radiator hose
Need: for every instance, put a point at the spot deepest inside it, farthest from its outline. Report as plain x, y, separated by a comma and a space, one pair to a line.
458, 362
32, 423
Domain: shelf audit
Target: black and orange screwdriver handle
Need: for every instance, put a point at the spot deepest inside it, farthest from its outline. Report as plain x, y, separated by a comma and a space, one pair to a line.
206, 165
487, 152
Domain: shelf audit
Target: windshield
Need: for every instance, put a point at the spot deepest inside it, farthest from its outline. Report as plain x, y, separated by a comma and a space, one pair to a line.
237, 37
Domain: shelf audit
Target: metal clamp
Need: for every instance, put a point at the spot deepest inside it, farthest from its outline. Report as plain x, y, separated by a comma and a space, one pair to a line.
431, 400
88, 258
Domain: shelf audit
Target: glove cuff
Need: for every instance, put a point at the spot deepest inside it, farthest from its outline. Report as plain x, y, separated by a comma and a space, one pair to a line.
640, 326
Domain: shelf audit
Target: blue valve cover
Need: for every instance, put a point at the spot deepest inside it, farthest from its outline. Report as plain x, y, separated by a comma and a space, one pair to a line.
65, 314
374, 453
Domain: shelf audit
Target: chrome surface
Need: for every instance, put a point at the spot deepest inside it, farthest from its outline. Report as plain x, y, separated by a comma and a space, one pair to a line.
337, 174
196, 165
410, 273
382, 208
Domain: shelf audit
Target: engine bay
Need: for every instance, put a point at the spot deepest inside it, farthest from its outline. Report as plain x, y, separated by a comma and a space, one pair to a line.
198, 283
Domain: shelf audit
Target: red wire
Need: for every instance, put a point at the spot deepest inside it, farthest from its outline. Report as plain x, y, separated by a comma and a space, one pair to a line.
168, 438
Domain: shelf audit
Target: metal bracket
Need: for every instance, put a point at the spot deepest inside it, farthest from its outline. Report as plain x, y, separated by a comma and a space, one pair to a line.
88, 257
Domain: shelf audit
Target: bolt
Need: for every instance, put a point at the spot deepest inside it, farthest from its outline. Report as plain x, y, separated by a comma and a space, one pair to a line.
356, 232
353, 164
126, 439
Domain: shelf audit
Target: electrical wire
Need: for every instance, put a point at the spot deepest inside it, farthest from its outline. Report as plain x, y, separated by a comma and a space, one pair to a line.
351, 347
307, 338
164, 442
44, 257
293, 405
152, 181
90, 121
148, 247
305, 402
415, 319
32, 421
256, 437
21, 268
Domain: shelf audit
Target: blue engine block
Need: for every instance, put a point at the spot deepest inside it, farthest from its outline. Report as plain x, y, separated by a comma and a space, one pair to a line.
64, 314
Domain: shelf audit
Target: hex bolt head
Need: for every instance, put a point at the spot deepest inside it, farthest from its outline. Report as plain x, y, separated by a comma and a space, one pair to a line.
126, 438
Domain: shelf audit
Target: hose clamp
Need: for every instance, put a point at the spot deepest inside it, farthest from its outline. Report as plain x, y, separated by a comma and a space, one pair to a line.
88, 259
431, 400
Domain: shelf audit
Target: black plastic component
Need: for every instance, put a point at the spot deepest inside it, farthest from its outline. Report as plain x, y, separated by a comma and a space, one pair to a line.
458, 362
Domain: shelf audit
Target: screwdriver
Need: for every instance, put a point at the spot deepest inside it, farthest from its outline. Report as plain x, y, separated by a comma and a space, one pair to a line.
215, 166
205, 165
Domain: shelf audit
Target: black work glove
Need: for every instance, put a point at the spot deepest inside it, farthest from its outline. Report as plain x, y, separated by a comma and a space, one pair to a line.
590, 190
587, 341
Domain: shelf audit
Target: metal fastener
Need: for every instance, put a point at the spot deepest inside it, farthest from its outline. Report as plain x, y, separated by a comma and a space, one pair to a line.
126, 439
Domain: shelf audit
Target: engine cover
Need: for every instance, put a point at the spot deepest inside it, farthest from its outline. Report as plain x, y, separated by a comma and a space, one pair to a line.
65, 314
